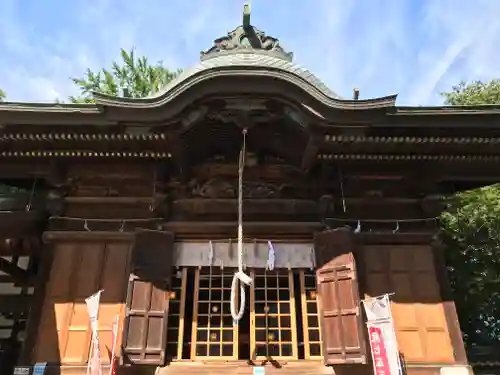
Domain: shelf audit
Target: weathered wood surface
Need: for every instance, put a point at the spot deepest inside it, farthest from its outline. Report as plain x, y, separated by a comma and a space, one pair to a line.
79, 270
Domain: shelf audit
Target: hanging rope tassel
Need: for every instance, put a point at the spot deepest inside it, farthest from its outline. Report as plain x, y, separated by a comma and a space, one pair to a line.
240, 275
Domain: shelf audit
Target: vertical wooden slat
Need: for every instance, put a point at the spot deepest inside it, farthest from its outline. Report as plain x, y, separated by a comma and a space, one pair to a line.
253, 354
293, 315
307, 351
194, 327
181, 316
145, 321
236, 330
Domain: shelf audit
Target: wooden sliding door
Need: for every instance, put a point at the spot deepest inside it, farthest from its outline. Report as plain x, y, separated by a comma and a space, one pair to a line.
310, 315
273, 320
176, 309
214, 337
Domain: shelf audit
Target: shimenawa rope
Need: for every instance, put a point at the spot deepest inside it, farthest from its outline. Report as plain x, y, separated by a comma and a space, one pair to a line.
236, 278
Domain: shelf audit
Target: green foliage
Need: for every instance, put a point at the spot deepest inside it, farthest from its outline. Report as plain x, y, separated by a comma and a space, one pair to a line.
3, 95
475, 93
470, 230
133, 77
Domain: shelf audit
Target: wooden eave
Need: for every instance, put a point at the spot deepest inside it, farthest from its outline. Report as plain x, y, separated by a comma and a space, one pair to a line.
43, 114
484, 117
342, 130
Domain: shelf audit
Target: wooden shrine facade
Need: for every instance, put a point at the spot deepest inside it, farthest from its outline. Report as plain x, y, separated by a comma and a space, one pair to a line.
128, 195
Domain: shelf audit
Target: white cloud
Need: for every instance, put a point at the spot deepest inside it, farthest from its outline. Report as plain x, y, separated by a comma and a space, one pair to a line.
415, 47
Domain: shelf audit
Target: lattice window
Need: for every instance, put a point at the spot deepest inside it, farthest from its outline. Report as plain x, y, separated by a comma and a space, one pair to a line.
177, 303
273, 325
310, 317
213, 333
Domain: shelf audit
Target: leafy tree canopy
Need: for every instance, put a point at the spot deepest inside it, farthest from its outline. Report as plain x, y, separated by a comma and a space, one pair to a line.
133, 77
3, 95
471, 233
475, 93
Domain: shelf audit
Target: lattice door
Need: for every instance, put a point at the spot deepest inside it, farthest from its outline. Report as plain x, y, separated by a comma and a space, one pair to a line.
273, 327
177, 303
310, 317
214, 336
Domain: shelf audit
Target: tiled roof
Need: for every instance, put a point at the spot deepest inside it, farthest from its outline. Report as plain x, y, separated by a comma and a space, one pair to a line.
249, 60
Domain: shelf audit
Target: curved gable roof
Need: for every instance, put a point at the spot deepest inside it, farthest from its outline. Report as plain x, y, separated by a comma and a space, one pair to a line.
246, 51
249, 60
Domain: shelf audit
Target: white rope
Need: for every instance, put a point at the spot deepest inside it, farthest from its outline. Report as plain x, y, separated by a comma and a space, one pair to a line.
236, 279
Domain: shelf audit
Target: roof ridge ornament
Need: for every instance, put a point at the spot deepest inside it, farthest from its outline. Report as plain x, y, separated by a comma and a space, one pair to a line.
246, 39
246, 15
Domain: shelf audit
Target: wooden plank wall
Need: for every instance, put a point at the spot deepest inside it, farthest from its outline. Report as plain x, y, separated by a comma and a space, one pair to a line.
81, 268
417, 305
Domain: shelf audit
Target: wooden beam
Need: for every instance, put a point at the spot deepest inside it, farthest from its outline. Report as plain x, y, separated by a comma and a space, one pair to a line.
19, 275
51, 236
57, 224
275, 228
396, 238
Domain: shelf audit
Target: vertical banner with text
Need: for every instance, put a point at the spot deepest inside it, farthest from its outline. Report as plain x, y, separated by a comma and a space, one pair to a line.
384, 347
94, 365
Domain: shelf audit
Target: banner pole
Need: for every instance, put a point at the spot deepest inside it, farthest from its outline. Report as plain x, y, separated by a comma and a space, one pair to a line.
115, 327
91, 353
400, 367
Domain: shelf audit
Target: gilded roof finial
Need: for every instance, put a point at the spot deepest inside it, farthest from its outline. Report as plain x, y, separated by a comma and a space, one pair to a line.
246, 15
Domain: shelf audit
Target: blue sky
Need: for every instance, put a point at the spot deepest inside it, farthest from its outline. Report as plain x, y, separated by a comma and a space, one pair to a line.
416, 48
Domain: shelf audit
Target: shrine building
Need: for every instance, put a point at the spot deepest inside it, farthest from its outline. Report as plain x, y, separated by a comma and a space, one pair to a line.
139, 198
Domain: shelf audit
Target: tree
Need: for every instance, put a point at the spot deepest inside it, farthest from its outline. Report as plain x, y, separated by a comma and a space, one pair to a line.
133, 77
475, 93
3, 95
470, 230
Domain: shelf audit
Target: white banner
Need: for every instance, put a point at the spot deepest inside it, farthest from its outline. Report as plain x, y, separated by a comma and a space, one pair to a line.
378, 308
93, 310
94, 365
384, 348
383, 343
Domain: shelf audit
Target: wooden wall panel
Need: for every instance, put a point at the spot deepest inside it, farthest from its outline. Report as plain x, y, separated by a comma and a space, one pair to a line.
79, 270
417, 306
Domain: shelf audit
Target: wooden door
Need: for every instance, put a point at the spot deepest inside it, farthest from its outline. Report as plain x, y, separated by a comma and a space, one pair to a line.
310, 315
145, 328
214, 336
340, 312
273, 326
